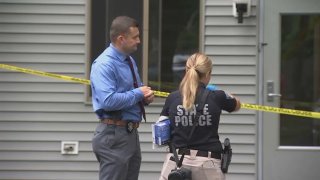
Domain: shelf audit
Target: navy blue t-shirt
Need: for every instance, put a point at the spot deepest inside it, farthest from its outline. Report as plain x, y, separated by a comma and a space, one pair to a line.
205, 136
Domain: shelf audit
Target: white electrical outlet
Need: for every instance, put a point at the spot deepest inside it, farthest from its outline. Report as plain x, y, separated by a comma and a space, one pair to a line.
69, 147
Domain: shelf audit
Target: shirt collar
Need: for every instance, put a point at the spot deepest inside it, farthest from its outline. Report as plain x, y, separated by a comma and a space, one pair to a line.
121, 56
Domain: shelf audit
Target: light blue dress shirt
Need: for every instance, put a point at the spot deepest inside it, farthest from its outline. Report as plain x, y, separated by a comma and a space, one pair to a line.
112, 86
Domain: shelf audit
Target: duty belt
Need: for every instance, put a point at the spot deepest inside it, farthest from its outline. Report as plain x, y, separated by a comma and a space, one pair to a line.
118, 122
201, 153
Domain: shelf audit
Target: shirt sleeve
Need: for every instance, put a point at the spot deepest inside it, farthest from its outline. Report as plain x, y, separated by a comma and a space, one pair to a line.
228, 103
105, 86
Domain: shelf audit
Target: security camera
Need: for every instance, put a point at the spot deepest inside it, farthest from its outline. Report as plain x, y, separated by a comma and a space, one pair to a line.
241, 8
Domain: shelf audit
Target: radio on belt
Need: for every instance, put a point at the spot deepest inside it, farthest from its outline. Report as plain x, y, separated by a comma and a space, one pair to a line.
161, 133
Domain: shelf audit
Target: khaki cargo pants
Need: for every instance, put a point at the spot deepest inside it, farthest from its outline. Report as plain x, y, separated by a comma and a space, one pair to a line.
203, 168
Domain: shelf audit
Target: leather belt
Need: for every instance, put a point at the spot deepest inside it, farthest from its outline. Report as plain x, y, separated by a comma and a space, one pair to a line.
201, 153
119, 122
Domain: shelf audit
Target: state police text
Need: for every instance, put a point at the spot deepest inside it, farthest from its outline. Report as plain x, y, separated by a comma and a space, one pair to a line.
184, 117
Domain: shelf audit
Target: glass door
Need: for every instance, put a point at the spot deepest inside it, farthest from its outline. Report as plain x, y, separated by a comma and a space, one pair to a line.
291, 146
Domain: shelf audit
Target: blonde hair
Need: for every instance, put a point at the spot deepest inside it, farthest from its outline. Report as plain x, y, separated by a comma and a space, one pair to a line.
198, 66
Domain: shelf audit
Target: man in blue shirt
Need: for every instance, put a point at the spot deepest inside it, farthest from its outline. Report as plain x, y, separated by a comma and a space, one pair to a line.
118, 98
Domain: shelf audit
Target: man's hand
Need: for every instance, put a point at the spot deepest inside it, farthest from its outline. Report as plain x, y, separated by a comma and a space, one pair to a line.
148, 94
149, 99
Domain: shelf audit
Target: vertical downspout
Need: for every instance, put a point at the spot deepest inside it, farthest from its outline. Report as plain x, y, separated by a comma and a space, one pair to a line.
87, 48
260, 89
145, 45
202, 26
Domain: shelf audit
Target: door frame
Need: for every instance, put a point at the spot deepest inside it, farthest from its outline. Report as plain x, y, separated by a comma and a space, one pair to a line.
260, 99
261, 96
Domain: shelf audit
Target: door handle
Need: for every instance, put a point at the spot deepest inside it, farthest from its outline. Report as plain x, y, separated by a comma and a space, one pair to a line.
274, 95
270, 91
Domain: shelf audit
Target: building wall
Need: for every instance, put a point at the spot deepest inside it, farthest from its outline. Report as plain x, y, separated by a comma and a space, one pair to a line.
233, 49
38, 113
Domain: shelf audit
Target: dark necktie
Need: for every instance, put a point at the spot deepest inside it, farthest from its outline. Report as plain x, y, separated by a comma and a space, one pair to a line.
135, 85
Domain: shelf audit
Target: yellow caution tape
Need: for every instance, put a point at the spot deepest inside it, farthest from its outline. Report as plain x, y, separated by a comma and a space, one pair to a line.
281, 110
271, 109
45, 74
161, 94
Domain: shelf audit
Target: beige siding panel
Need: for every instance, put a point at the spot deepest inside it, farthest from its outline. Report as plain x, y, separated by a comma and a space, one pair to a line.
52, 165
57, 107
41, 97
243, 148
44, 136
230, 40
41, 48
240, 176
38, 146
230, 30
42, 58
45, 116
227, 59
243, 158
234, 79
241, 168
238, 118
47, 126
42, 175
43, 28
42, 8
42, 87
238, 138
37, 113
69, 2
233, 48
42, 38
232, 70
236, 128
230, 50
41, 19
228, 21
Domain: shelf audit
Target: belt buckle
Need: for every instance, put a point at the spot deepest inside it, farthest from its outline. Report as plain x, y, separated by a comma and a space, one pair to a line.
130, 127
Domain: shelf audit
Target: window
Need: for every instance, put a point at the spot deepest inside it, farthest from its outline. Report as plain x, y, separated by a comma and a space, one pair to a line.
102, 14
173, 35
300, 78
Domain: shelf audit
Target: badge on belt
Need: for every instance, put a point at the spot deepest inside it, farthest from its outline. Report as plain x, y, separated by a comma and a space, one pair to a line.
130, 126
